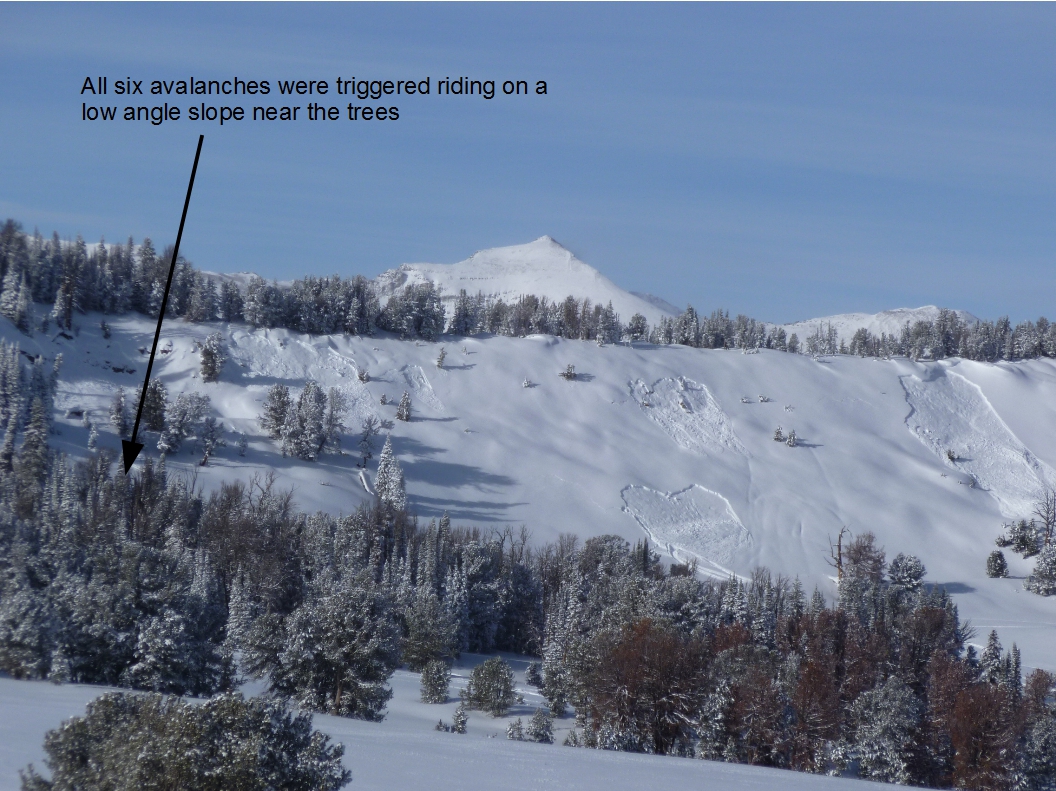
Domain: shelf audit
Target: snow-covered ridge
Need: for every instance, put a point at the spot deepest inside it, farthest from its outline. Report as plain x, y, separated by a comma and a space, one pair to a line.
887, 321
542, 267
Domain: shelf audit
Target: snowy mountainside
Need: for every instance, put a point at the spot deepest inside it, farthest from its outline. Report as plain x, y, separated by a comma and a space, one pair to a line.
671, 443
542, 267
887, 321
404, 751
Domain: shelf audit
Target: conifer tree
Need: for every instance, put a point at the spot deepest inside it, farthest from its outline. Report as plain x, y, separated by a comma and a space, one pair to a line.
154, 405
119, 414
431, 633
32, 465
1043, 580
460, 720
333, 420
403, 411
213, 358
125, 742
276, 406
436, 682
335, 652
996, 565
388, 483
230, 302
490, 687
515, 730
211, 437
885, 719
15, 299
540, 727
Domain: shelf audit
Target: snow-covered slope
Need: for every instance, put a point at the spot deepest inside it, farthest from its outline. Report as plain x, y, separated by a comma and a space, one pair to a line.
888, 321
542, 267
405, 752
670, 442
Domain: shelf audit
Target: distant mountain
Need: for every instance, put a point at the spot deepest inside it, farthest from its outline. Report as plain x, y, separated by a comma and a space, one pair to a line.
888, 321
542, 267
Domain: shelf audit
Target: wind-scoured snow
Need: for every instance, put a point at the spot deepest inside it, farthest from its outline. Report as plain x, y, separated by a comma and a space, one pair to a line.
559, 456
952, 416
890, 322
695, 523
542, 267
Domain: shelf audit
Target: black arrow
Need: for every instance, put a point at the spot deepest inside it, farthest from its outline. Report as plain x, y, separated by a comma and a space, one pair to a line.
130, 448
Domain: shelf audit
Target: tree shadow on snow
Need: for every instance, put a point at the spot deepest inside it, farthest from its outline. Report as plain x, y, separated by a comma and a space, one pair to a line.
451, 474
950, 587
469, 510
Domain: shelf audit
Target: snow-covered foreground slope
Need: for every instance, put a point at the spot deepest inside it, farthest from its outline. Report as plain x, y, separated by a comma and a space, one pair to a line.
672, 443
405, 752
890, 322
542, 267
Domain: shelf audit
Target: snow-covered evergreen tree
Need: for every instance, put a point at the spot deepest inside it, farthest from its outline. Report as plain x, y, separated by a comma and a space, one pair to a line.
990, 660
436, 682
540, 727
388, 484
184, 420
490, 687
885, 719
203, 301
906, 574
15, 299
213, 358
126, 741
533, 674
119, 414
335, 652
276, 407
211, 437
304, 432
431, 632
229, 306
515, 730
403, 411
333, 420
459, 720
638, 328
1043, 580
154, 405
996, 565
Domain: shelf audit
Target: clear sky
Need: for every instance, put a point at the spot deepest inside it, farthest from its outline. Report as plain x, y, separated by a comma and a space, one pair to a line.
784, 161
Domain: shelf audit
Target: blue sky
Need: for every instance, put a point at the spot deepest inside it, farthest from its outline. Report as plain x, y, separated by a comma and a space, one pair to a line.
784, 161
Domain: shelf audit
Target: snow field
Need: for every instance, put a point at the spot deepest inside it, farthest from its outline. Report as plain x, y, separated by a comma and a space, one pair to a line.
404, 752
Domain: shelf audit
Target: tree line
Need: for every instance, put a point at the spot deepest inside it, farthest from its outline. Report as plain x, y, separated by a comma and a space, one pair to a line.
115, 279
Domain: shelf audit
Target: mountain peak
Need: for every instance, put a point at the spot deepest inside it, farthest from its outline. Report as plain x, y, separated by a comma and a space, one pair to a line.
543, 267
